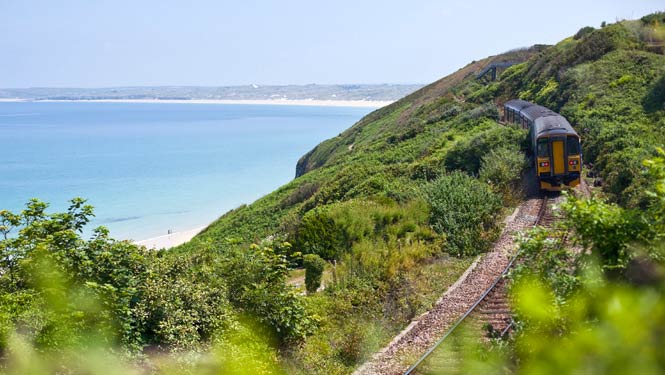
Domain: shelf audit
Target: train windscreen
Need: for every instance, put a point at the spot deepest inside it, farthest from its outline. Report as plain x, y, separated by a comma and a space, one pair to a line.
543, 148
573, 146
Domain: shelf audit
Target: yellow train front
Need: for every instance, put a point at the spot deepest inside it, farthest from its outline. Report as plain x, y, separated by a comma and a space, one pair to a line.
554, 144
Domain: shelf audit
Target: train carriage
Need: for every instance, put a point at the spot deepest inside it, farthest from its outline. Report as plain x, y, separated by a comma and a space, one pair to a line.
554, 144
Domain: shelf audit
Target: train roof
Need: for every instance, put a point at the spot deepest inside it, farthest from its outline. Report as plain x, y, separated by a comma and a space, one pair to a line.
535, 111
552, 124
544, 120
518, 104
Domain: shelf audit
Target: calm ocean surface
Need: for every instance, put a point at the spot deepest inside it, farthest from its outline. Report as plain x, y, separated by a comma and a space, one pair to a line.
148, 168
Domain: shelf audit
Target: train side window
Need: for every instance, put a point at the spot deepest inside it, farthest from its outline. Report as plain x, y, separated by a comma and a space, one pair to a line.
543, 148
573, 145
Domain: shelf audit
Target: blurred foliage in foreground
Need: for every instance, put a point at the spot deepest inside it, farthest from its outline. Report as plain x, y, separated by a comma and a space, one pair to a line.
69, 305
595, 308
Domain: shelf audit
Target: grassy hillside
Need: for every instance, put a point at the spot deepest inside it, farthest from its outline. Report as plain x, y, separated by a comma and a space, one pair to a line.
608, 82
396, 207
390, 180
389, 153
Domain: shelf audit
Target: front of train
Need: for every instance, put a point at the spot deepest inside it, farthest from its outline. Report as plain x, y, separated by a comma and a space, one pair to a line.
558, 153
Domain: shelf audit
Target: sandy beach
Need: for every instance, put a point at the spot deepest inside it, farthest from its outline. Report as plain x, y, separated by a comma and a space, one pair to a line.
180, 237
170, 240
303, 102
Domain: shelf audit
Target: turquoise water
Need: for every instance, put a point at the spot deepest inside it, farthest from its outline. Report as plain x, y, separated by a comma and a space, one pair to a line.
148, 168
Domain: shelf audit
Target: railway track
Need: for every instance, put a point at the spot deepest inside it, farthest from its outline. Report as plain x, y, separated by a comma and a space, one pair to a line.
489, 317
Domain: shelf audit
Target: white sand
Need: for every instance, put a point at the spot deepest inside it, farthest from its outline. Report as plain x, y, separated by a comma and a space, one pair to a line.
305, 102
170, 240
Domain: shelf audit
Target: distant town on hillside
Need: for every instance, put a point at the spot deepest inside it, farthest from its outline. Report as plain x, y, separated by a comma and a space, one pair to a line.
369, 92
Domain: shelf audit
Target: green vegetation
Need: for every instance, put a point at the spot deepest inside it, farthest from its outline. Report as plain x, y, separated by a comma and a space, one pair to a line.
590, 305
501, 168
396, 205
595, 311
609, 84
314, 267
464, 209
62, 293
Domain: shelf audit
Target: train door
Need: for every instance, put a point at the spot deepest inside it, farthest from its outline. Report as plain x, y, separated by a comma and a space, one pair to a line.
558, 156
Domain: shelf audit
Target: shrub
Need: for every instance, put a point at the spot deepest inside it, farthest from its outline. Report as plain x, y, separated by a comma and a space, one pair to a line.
443, 113
654, 18
182, 304
256, 284
484, 95
318, 234
351, 344
467, 154
63, 280
502, 168
654, 100
464, 209
314, 266
606, 229
583, 31
487, 110
300, 194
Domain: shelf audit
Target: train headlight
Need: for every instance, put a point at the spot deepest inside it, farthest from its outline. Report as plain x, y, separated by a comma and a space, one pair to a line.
544, 163
573, 162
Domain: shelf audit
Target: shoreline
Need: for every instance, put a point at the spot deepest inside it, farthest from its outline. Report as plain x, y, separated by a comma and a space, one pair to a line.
177, 238
168, 241
293, 102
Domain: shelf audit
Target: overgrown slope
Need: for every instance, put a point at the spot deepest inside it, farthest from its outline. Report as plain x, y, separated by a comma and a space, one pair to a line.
390, 153
609, 82
389, 180
397, 205
384, 205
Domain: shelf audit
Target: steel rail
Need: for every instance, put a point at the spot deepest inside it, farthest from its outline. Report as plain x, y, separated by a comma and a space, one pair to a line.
541, 214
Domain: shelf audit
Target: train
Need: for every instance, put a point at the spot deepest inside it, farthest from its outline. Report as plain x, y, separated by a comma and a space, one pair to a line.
554, 146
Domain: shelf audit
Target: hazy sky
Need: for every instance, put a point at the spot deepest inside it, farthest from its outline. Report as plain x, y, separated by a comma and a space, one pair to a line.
90, 43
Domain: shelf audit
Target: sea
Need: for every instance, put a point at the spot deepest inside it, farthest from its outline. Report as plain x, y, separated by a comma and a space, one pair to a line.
151, 168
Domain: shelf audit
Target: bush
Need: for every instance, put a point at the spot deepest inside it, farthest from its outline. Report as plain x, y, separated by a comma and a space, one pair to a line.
256, 284
63, 280
487, 110
467, 154
318, 234
314, 266
606, 229
300, 194
583, 31
465, 210
654, 18
331, 231
182, 304
502, 168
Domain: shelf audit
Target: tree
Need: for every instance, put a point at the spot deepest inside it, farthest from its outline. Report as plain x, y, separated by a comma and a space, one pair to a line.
314, 266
